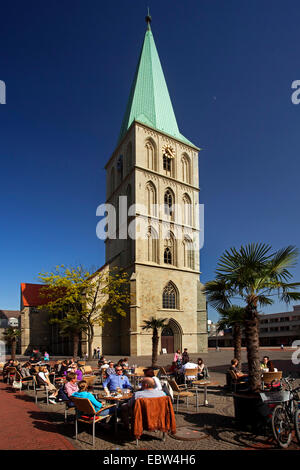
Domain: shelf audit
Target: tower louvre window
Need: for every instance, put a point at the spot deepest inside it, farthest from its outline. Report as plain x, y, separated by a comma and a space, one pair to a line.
166, 163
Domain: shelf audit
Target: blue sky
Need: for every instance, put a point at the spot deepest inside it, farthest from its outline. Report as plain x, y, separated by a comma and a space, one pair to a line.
68, 67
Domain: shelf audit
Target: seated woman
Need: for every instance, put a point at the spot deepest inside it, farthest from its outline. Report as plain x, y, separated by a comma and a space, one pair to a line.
201, 366
271, 367
43, 379
83, 393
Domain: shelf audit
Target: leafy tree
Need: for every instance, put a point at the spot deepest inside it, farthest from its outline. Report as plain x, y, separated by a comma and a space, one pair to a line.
154, 324
71, 325
11, 336
78, 300
253, 274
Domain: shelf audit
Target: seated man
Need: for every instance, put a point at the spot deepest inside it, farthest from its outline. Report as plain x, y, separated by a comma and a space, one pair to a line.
150, 373
110, 370
113, 382
234, 368
264, 363
148, 390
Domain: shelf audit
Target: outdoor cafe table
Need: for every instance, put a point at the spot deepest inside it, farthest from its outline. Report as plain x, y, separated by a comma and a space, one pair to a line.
134, 379
205, 384
117, 399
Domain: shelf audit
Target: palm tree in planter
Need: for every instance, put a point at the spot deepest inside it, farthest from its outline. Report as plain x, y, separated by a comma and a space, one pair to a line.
233, 317
154, 324
11, 336
253, 274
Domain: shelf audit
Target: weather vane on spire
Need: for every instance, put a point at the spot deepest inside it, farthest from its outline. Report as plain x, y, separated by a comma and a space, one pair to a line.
148, 19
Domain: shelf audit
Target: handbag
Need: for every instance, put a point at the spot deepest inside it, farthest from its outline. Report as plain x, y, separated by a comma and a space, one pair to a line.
17, 384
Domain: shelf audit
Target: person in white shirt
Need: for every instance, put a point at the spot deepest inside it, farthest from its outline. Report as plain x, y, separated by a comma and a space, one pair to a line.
189, 365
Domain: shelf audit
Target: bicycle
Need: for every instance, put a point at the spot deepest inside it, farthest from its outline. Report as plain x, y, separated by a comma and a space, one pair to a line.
286, 415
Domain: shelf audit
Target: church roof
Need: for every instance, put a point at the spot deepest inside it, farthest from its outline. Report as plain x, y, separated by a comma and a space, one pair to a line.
149, 100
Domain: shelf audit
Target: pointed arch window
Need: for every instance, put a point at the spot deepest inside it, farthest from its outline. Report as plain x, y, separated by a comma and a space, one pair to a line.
151, 155
151, 198
170, 297
186, 169
170, 249
188, 253
187, 210
169, 204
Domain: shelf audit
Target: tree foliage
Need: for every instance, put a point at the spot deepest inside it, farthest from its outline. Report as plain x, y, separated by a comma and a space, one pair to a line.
78, 300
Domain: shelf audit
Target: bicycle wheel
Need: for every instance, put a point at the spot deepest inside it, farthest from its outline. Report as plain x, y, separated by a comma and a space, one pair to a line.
281, 426
297, 424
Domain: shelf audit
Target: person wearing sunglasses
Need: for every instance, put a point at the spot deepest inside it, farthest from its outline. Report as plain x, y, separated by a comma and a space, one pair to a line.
117, 381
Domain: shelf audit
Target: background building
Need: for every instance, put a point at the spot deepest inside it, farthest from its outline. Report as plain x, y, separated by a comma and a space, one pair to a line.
7, 318
274, 329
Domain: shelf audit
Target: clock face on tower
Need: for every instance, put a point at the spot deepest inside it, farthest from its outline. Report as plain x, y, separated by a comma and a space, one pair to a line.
168, 151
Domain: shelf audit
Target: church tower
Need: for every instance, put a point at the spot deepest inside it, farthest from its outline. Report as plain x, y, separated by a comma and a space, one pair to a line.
152, 181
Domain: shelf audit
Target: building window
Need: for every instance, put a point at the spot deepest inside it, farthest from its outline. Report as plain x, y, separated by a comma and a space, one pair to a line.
170, 299
188, 253
168, 160
170, 249
169, 204
151, 198
186, 169
187, 210
151, 155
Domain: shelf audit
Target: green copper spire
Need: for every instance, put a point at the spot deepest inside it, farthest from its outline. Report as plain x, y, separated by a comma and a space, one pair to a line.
149, 101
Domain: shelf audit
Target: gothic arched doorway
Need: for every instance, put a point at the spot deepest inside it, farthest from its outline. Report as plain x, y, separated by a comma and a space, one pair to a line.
167, 339
171, 336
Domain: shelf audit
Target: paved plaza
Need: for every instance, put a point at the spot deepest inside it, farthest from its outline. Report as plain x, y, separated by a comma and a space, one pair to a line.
216, 423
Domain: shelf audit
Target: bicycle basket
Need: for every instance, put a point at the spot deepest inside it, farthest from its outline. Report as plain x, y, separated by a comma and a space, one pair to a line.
275, 397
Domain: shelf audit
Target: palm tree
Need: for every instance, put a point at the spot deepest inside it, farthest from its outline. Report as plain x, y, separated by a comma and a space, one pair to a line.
254, 275
154, 324
11, 336
233, 317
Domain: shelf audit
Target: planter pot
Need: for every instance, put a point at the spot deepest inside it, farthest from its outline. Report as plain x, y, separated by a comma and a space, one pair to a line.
247, 410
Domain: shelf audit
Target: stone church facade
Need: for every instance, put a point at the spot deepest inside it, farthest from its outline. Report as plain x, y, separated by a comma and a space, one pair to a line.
155, 168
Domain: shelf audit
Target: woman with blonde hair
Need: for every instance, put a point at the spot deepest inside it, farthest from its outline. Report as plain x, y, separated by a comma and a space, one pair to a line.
83, 393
